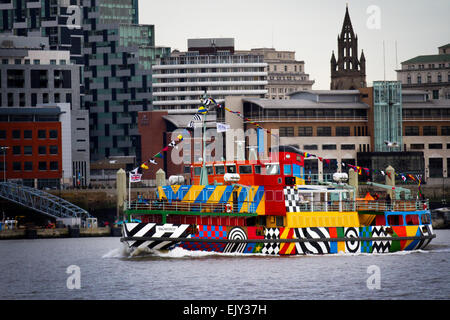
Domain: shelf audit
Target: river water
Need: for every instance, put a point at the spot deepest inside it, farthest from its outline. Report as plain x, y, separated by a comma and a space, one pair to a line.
100, 269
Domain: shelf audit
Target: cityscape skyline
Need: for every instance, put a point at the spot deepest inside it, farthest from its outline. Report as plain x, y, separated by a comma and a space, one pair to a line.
313, 36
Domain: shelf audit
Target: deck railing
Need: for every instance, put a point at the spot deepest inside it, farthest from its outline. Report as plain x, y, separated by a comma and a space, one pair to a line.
301, 206
395, 205
191, 206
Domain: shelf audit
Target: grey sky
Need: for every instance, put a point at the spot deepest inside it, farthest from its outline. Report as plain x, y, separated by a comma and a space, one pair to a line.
309, 28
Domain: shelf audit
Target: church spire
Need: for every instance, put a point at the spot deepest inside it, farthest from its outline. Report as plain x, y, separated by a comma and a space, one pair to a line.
347, 64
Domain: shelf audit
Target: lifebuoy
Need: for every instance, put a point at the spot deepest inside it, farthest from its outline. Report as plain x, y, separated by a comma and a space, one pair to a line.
228, 207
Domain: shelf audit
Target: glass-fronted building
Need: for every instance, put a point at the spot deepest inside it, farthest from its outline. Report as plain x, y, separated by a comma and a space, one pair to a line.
387, 113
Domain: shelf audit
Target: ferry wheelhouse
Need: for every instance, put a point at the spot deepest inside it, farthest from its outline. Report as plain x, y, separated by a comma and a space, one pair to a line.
270, 207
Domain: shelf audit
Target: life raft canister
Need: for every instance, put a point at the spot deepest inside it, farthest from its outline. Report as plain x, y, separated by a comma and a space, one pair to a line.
228, 207
425, 206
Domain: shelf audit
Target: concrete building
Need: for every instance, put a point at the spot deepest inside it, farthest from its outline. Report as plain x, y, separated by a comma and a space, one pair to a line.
118, 56
59, 21
209, 64
285, 73
33, 77
428, 72
426, 128
348, 72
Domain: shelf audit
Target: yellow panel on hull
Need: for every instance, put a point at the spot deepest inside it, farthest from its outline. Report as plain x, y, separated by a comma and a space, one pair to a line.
322, 219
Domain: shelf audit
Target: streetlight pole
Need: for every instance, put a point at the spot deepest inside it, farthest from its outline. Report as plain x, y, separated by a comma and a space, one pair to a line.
4, 162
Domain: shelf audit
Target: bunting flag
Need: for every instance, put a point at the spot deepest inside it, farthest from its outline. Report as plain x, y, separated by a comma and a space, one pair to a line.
208, 102
159, 155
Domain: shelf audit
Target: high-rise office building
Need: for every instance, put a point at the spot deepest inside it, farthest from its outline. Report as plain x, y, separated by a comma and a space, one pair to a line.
210, 64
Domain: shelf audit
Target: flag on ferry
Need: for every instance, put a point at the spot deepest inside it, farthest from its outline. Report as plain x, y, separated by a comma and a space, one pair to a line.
222, 127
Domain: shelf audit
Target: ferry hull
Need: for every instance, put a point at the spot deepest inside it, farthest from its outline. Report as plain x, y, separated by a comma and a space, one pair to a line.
276, 241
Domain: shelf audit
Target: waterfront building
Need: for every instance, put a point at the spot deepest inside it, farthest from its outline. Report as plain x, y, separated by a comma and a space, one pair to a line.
428, 72
347, 71
208, 64
32, 77
118, 57
285, 73
59, 21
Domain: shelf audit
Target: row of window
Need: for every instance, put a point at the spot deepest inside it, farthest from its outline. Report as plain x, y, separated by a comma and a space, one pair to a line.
323, 131
28, 134
11, 100
38, 79
429, 78
427, 130
426, 112
35, 61
433, 146
30, 166
28, 150
430, 66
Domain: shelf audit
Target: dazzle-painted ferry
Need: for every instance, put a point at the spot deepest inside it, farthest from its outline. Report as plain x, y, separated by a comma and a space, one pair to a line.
267, 207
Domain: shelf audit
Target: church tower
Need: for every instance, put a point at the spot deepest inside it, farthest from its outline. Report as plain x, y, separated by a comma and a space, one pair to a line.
347, 72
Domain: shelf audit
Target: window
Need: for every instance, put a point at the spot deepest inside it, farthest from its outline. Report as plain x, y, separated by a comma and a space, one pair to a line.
445, 131
417, 146
28, 166
53, 165
430, 131
39, 79
42, 166
435, 94
342, 131
245, 169
231, 168
435, 167
347, 147
209, 170
15, 78
17, 166
419, 79
2, 134
329, 147
42, 134
220, 169
16, 150
426, 218
305, 131
197, 171
324, 131
53, 134
412, 219
28, 150
258, 169
272, 169
16, 134
411, 131
53, 149
42, 150
435, 146
310, 147
27, 134
286, 131
395, 220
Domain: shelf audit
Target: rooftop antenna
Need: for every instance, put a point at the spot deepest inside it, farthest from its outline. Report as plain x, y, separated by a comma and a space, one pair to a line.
272, 36
384, 62
396, 56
